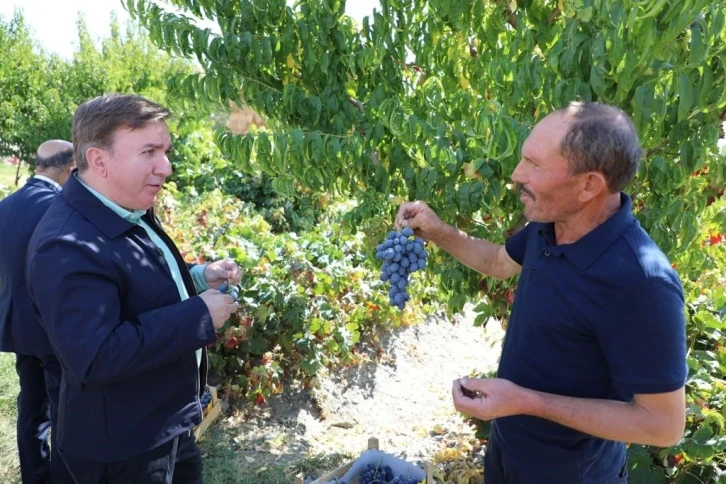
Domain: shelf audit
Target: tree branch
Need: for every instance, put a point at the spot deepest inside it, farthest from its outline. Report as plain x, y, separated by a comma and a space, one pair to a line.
361, 107
555, 13
511, 18
658, 148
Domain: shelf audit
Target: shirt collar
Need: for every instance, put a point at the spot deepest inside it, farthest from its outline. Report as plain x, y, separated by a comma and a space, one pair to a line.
48, 180
586, 250
128, 215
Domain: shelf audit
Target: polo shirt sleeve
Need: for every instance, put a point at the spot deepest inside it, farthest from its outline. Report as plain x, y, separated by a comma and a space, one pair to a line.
516, 245
642, 335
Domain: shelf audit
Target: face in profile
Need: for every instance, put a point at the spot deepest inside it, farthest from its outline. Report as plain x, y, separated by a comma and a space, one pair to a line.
139, 165
548, 191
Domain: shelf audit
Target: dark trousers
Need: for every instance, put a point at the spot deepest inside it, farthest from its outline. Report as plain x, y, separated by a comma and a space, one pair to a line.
178, 461
497, 471
39, 379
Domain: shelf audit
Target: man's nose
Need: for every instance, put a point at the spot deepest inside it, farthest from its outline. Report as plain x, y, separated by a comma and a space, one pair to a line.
518, 175
164, 167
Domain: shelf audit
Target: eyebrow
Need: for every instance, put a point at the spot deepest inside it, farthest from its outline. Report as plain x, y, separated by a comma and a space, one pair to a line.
154, 145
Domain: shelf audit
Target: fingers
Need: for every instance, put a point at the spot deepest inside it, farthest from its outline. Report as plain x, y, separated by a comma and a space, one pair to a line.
407, 213
229, 270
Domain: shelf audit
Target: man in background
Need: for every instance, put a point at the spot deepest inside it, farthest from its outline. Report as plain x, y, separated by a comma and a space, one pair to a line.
38, 369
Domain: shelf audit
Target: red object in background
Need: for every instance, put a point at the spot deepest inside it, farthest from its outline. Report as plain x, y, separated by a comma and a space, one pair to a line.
231, 343
260, 399
716, 239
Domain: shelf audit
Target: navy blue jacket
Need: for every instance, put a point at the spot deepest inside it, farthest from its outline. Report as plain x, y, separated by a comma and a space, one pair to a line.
125, 340
20, 331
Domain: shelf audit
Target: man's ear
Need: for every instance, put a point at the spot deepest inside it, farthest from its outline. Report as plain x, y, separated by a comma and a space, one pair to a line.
594, 185
97, 159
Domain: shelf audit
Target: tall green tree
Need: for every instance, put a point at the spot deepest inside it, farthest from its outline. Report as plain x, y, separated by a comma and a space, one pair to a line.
33, 106
39, 92
432, 99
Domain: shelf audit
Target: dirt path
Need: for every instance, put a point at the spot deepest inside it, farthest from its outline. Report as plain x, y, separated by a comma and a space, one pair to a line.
403, 399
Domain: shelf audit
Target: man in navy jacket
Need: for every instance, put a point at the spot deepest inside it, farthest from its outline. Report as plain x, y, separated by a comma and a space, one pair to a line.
39, 373
120, 306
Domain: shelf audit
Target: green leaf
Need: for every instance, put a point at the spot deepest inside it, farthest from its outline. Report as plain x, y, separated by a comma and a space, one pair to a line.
643, 109
685, 96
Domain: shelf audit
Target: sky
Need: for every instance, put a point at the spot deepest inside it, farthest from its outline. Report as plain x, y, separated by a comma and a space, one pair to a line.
54, 21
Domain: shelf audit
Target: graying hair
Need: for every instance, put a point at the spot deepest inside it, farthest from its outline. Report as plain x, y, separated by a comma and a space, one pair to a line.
601, 138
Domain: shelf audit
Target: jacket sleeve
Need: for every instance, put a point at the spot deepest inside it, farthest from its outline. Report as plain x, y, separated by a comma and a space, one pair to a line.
79, 302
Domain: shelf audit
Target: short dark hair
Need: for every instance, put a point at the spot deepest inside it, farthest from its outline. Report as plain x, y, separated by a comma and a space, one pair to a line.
601, 138
56, 161
96, 121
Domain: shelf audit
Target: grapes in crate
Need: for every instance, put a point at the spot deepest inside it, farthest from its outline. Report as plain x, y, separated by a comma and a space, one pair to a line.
383, 475
206, 400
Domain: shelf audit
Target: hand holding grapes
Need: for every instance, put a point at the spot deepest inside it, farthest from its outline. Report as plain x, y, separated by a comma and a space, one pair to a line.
422, 219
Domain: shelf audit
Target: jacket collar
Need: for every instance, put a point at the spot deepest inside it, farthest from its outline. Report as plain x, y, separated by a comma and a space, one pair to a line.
41, 181
88, 205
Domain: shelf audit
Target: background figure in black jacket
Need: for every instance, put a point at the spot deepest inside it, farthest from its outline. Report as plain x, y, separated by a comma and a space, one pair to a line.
20, 332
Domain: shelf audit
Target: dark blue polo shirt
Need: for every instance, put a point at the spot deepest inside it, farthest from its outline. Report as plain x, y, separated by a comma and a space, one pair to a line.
599, 318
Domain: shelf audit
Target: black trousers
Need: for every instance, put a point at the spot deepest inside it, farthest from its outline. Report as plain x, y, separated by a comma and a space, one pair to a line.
497, 471
39, 379
178, 461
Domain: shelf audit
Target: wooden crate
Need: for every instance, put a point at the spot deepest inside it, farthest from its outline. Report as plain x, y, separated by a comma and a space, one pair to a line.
340, 471
211, 413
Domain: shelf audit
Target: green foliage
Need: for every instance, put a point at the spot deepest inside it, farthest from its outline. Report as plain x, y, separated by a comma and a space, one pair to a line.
199, 167
33, 107
307, 300
39, 92
419, 105
431, 99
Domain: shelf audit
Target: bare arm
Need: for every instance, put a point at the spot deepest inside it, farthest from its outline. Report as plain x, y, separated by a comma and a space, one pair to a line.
652, 419
657, 419
483, 256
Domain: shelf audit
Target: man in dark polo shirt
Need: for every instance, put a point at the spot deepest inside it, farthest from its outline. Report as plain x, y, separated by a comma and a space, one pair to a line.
594, 355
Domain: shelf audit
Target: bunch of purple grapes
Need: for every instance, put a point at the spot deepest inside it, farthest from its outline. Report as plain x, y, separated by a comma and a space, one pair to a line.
401, 256
231, 290
383, 475
206, 400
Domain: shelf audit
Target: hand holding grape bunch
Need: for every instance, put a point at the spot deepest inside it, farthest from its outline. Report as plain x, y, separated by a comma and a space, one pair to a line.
402, 256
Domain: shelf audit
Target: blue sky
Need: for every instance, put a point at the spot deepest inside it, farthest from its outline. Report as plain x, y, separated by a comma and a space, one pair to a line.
54, 21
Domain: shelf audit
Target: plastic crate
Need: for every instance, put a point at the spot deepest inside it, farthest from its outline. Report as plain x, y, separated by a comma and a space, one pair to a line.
343, 470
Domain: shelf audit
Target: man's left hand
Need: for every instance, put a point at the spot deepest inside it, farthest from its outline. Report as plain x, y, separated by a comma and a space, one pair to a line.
495, 397
222, 272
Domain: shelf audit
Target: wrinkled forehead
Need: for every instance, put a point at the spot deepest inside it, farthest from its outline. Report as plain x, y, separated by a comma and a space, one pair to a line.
547, 135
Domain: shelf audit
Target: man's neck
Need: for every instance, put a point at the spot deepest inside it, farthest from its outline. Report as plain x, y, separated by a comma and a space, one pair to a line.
586, 220
50, 174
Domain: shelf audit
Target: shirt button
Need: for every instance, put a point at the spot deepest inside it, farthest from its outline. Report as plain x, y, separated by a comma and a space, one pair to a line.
547, 253
534, 272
